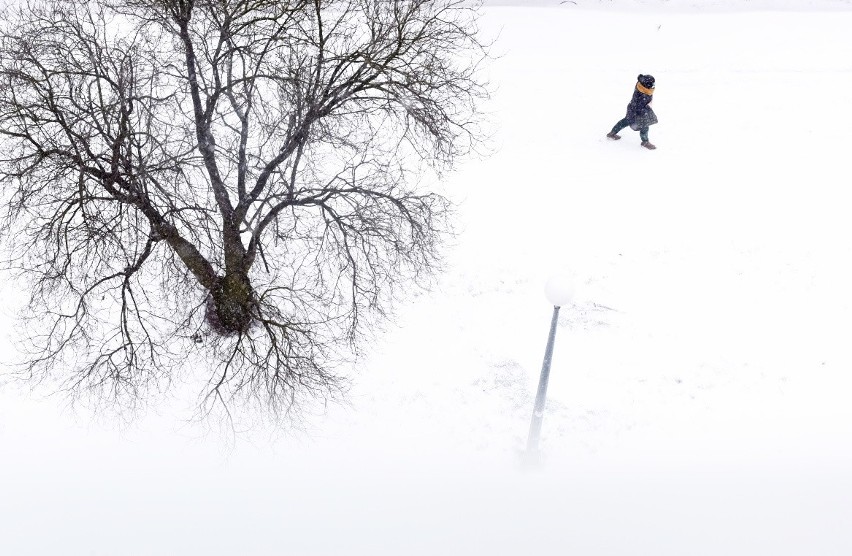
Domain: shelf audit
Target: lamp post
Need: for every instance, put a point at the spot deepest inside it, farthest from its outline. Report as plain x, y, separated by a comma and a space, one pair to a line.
559, 291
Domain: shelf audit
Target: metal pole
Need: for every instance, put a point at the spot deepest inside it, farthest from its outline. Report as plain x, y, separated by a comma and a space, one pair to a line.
541, 395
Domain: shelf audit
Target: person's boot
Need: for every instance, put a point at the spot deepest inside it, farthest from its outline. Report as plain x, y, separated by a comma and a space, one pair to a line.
649, 145
613, 135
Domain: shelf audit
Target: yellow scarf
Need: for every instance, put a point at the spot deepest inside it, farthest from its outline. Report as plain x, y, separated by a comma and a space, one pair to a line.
642, 89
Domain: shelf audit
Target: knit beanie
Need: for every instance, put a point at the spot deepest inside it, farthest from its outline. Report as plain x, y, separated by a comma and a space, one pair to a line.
646, 80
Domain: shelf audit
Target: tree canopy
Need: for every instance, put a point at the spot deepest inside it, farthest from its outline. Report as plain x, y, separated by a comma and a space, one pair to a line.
234, 182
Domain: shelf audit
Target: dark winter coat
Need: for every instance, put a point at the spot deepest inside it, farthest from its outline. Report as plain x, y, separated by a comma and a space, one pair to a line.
639, 113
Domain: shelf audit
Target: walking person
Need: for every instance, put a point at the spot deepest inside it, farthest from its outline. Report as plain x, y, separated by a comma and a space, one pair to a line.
640, 116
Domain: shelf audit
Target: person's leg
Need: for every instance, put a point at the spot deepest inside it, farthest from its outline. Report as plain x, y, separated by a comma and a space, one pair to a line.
622, 123
643, 135
616, 128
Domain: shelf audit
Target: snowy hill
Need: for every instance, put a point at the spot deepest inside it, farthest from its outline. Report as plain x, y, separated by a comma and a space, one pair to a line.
703, 6
698, 397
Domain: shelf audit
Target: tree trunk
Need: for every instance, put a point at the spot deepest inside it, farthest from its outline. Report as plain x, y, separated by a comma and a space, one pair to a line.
231, 303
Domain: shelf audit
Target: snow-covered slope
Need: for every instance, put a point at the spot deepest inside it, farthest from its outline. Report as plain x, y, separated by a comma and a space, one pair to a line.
703, 6
698, 396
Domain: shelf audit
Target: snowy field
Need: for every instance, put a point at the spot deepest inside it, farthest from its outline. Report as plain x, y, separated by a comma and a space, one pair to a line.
699, 396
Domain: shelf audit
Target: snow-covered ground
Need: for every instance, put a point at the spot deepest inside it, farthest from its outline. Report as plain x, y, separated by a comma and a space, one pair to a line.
698, 402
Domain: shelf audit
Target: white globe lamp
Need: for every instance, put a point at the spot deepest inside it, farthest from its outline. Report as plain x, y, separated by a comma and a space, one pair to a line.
559, 290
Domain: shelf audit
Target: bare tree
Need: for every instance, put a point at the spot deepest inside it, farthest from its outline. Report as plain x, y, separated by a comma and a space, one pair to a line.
227, 181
